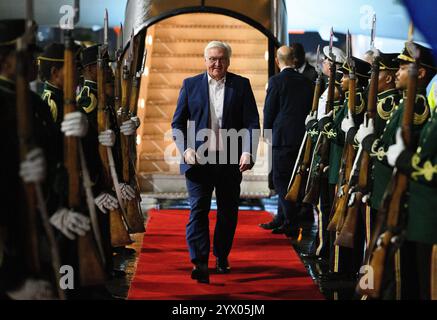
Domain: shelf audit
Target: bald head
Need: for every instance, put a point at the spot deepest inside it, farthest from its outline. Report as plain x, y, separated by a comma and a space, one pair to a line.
285, 57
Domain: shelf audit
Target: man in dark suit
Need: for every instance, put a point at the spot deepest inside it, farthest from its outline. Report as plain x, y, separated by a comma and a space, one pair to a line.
214, 104
288, 102
300, 64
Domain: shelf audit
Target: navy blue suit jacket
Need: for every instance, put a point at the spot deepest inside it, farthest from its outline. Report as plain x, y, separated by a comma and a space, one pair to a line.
288, 102
239, 111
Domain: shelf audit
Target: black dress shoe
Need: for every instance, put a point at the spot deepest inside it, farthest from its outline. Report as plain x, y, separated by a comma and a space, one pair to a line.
200, 273
124, 251
222, 266
287, 230
117, 274
311, 256
270, 225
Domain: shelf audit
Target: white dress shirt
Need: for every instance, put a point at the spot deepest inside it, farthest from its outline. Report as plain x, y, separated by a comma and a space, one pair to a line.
216, 101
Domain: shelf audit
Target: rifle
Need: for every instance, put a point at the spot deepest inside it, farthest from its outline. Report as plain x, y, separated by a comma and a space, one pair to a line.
389, 213
134, 217
347, 234
301, 168
322, 147
119, 235
348, 156
34, 198
91, 259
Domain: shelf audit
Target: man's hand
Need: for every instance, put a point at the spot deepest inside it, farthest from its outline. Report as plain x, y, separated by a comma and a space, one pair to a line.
365, 130
347, 123
127, 192
70, 223
33, 168
396, 149
33, 289
75, 124
245, 162
107, 138
190, 156
105, 201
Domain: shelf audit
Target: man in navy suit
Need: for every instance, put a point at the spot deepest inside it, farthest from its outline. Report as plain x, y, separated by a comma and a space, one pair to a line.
288, 102
216, 129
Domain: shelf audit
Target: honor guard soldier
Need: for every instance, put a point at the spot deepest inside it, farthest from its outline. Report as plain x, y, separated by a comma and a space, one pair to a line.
387, 99
343, 262
321, 245
414, 279
420, 166
16, 279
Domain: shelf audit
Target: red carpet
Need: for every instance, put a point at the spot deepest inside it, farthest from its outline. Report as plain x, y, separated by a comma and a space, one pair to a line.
264, 266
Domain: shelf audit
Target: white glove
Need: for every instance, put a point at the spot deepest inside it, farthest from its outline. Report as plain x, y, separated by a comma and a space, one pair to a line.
396, 149
127, 192
310, 117
128, 128
107, 138
365, 199
137, 121
190, 156
347, 123
326, 115
33, 289
105, 201
33, 168
70, 223
364, 130
75, 124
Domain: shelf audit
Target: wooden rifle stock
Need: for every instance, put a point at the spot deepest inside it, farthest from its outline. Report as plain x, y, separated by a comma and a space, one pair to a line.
300, 176
134, 217
119, 235
312, 192
394, 196
347, 234
348, 156
28, 223
91, 270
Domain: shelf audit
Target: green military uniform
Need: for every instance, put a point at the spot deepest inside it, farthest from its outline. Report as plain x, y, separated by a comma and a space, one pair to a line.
421, 221
382, 172
421, 166
320, 247
343, 260
54, 97
87, 103
407, 266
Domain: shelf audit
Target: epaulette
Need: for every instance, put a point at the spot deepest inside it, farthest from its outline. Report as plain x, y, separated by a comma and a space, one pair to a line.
47, 97
385, 107
361, 103
87, 100
421, 110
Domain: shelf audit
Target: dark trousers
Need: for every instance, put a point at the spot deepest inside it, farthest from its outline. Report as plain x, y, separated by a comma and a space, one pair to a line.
283, 162
201, 181
321, 244
348, 261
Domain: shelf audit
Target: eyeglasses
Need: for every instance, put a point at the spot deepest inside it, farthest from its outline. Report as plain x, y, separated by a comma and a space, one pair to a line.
213, 60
